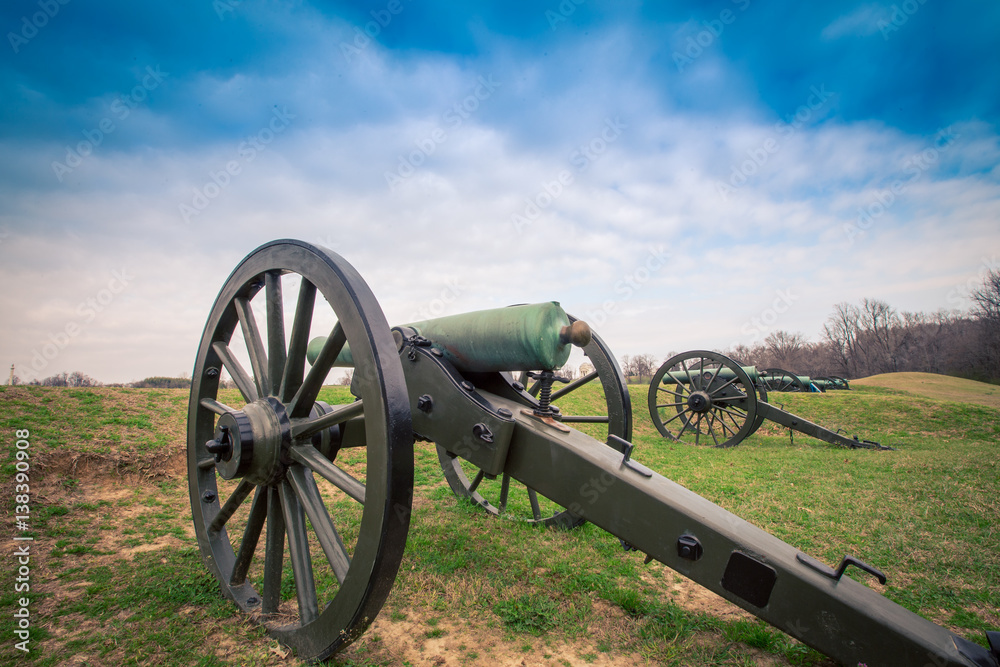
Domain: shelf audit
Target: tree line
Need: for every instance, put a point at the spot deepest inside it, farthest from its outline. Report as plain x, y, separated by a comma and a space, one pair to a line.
872, 337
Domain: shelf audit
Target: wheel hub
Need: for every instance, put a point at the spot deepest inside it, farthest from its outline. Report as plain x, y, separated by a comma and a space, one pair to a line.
249, 443
699, 401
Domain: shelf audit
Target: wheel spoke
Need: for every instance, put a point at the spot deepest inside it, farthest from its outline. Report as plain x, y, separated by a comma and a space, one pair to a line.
275, 328
255, 345
308, 493
682, 412
240, 378
310, 457
679, 394
243, 490
711, 430
476, 481
274, 553
298, 342
725, 427
697, 429
216, 407
721, 387
340, 414
575, 384
298, 551
251, 535
304, 398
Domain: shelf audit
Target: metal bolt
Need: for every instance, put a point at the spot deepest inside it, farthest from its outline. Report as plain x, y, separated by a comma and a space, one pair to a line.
504, 412
436, 352
425, 403
688, 547
467, 386
212, 372
518, 386
208, 496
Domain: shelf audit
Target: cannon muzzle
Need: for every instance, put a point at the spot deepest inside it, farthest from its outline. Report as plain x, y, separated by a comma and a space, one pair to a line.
517, 338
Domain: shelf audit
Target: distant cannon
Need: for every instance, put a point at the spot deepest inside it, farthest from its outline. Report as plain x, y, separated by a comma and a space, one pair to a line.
831, 382
334, 483
707, 398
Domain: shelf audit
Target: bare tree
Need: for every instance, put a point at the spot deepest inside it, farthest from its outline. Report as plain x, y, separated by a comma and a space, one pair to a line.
841, 331
346, 378
644, 365
987, 313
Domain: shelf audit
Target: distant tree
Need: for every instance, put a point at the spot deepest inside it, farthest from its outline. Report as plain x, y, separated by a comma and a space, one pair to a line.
346, 378
57, 380
78, 379
644, 365
987, 312
160, 382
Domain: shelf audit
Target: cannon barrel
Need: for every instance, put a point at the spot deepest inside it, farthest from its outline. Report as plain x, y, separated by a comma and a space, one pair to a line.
516, 338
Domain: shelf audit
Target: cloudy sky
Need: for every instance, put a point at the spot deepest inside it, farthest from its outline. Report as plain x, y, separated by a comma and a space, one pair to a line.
681, 174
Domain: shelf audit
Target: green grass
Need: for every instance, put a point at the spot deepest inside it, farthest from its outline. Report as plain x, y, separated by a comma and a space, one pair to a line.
124, 583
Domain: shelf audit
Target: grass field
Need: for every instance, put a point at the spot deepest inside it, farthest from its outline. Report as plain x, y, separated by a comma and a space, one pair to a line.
116, 578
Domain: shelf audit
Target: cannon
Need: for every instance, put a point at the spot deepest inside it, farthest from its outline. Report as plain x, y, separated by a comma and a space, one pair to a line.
778, 379
706, 397
831, 382
291, 494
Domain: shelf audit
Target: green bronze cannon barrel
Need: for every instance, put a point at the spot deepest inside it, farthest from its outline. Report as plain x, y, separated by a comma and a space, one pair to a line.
517, 338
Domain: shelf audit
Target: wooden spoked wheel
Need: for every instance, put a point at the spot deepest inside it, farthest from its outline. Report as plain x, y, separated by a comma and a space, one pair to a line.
301, 509
777, 379
702, 397
506, 497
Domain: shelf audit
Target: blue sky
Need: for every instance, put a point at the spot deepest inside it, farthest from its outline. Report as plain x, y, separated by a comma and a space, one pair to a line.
683, 175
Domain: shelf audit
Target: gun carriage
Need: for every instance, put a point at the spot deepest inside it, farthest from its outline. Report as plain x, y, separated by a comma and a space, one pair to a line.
702, 397
256, 470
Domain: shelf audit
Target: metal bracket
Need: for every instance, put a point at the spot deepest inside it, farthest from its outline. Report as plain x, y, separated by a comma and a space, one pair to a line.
626, 447
828, 571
